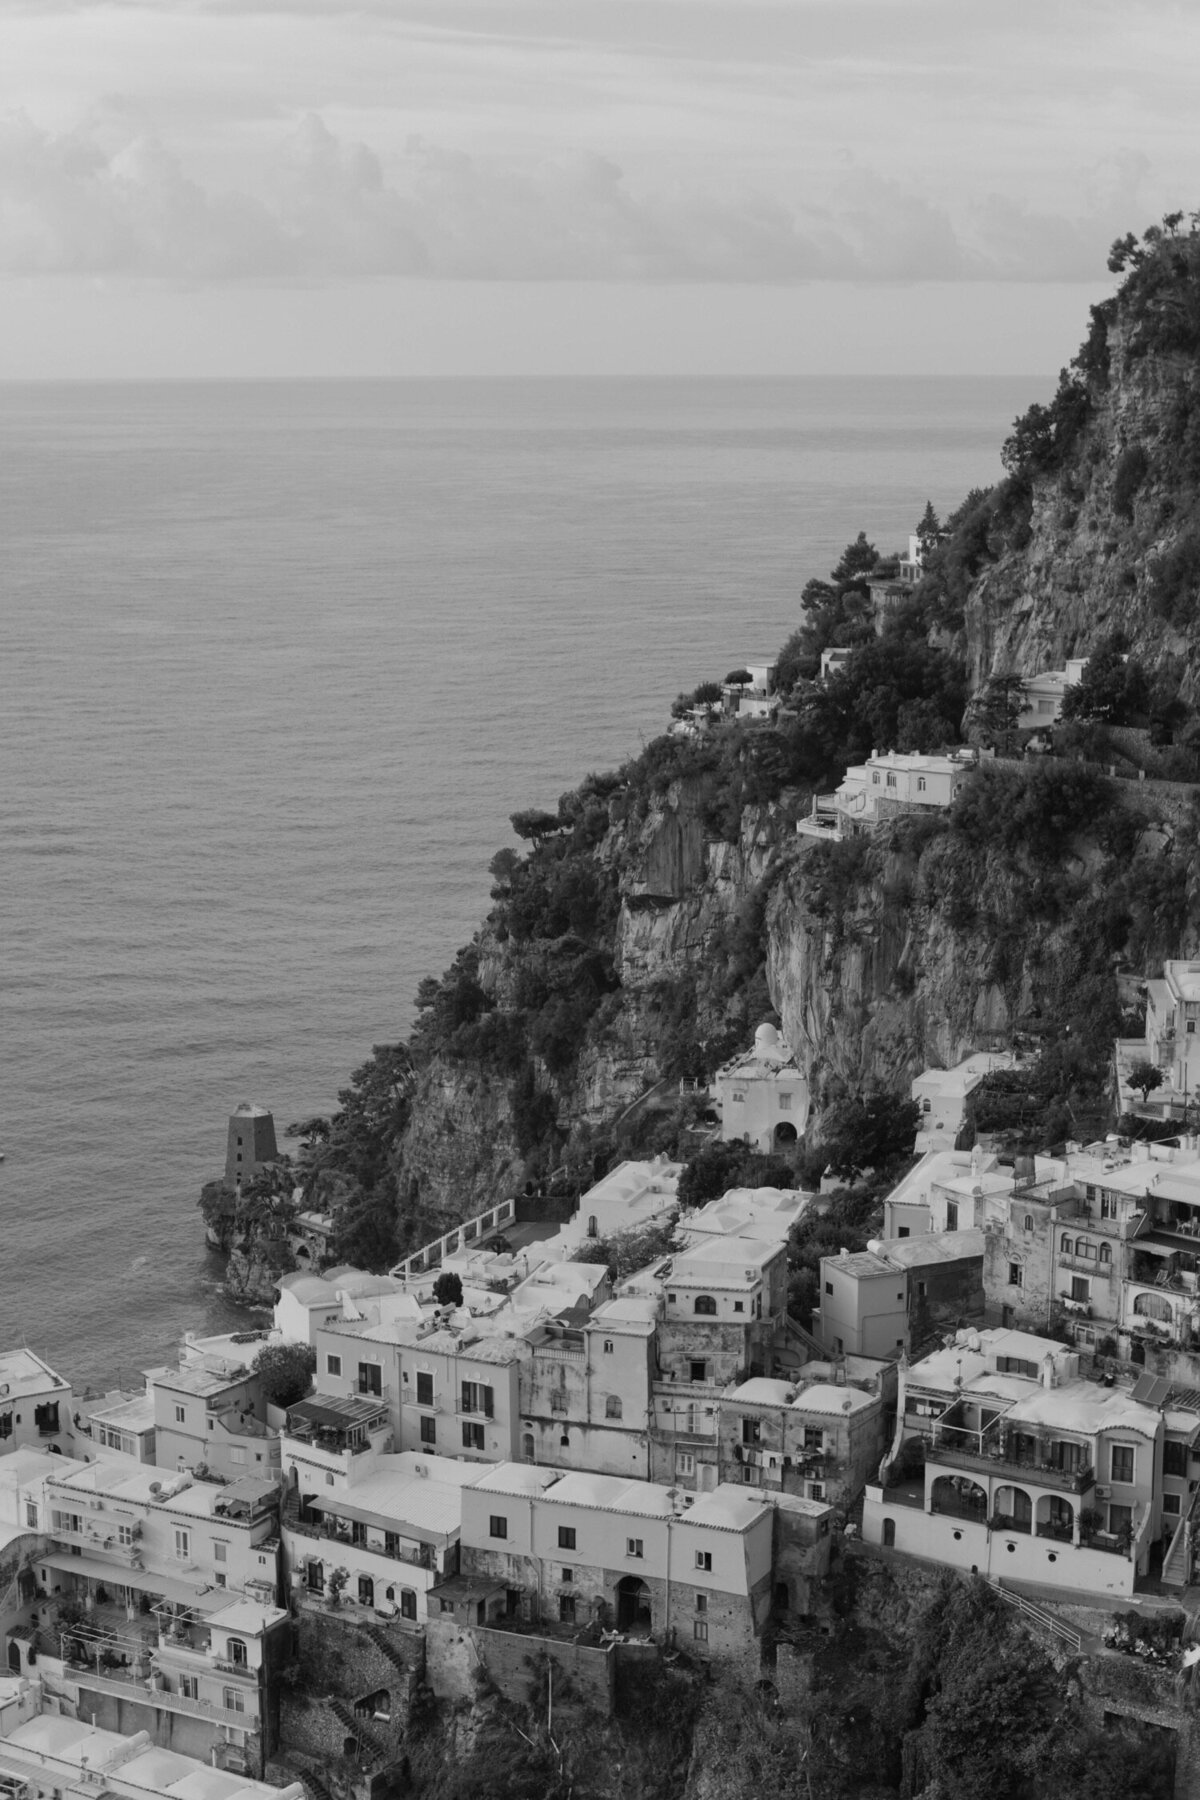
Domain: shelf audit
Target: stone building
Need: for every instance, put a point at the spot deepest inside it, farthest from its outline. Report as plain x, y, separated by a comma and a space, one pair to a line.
585, 1389
250, 1143
821, 1439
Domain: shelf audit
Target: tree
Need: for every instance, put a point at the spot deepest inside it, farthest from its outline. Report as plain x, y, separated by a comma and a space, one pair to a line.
503, 867
535, 823
928, 528
739, 678
869, 1132
1112, 689
998, 711
1145, 1077
856, 561
448, 1288
285, 1371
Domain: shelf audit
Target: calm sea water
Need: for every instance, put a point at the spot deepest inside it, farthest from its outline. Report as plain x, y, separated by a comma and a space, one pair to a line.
278, 662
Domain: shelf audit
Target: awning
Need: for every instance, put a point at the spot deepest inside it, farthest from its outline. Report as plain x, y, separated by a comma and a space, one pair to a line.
144, 1581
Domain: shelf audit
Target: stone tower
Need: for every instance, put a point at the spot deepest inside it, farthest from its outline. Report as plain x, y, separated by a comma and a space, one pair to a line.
251, 1143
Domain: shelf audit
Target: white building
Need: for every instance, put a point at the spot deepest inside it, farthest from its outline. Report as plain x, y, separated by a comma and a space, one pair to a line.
1042, 695
766, 1214
762, 1095
628, 1198
896, 778
35, 1404
942, 1096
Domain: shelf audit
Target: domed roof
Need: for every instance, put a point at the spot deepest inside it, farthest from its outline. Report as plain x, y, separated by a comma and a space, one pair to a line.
767, 1042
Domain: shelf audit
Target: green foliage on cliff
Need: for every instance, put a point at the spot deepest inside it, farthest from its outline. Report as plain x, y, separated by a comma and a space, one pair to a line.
1035, 810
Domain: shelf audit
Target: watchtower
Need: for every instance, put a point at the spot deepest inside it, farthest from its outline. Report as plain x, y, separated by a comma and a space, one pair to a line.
250, 1144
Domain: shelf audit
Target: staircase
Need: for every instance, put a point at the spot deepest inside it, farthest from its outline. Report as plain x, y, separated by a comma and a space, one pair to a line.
1037, 1615
358, 1728
316, 1787
384, 1642
1177, 1562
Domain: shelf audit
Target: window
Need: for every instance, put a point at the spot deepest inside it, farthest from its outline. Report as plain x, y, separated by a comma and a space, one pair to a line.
498, 1526
566, 1537
685, 1462
1106, 1253
408, 1603
1081, 1288
920, 784
220, 1577
566, 1609
370, 1378
739, 1306
366, 1591
238, 1653
183, 1543
528, 1449
565, 1574
314, 1577
31, 1519
701, 1602
1171, 1504
633, 1546
233, 1699
891, 781
751, 1430
706, 1304
829, 1287
612, 1407
1028, 1226
608, 1346
785, 1102
478, 1399
814, 1437
670, 1299
1108, 1205
189, 1687
1175, 1459
333, 1365
220, 1551
1122, 1464
472, 1437
429, 1431
558, 1400
816, 1490
1064, 1244
698, 1370
1016, 1275
700, 1630
180, 1415
952, 1215
704, 1560
1084, 1247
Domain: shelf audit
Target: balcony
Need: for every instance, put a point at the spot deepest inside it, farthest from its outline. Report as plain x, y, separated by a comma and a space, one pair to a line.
1088, 1265
1007, 1522
133, 1688
960, 1507
337, 1425
996, 1460
331, 1530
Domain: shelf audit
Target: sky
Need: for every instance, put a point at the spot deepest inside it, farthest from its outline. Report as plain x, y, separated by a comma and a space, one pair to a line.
273, 187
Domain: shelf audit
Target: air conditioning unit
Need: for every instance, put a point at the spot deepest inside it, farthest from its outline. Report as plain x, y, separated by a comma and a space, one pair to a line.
1104, 1493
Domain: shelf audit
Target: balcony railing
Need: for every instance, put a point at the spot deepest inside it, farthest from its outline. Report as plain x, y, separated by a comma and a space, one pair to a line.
420, 1558
1006, 1522
954, 1507
130, 1687
1000, 1462
1091, 1265
1052, 1528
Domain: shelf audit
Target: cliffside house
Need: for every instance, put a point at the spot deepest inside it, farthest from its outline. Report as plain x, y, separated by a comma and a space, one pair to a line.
119, 1425
942, 1096
944, 1191
1029, 1473
633, 1556
762, 1094
304, 1302
888, 783
753, 699
36, 1407
388, 1533
833, 661
1042, 694
585, 1390
631, 1196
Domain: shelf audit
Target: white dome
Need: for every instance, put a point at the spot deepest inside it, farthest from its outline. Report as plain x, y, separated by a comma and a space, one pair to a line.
766, 1042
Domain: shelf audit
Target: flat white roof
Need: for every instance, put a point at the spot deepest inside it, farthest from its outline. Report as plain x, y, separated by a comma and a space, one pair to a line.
22, 1373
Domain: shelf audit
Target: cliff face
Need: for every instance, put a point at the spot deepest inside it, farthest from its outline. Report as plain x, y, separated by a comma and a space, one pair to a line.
1100, 526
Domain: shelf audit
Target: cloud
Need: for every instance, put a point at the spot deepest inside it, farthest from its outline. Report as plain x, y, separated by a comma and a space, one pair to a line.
103, 200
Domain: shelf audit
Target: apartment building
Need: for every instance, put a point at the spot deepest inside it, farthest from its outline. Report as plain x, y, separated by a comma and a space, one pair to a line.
585, 1389
820, 1438
875, 1302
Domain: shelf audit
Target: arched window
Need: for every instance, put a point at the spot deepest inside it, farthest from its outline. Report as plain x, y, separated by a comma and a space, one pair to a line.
238, 1653
1152, 1306
1064, 1244
527, 1447
591, 1230
408, 1603
612, 1407
1105, 1253
1029, 1221
608, 1346
920, 784
706, 1304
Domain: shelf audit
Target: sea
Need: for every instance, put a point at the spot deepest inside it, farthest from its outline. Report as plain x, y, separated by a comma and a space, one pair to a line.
278, 661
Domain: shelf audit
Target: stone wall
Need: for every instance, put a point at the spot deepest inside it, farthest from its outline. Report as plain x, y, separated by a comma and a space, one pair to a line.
461, 1657
341, 1663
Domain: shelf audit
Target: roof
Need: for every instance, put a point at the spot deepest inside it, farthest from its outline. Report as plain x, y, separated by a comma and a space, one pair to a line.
136, 1414
335, 1410
634, 1314
933, 1247
1086, 1406
818, 1397
727, 1507
415, 1493
516, 1478
165, 1772
249, 1616
613, 1493
21, 1373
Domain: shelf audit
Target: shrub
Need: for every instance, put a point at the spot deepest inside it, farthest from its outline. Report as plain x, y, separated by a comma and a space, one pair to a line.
1131, 470
1175, 580
1035, 810
285, 1372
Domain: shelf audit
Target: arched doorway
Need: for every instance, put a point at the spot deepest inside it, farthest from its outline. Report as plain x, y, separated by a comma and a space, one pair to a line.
785, 1132
633, 1604
14, 1656
889, 1534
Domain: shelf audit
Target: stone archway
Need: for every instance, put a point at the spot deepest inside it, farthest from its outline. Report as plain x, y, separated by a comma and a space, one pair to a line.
633, 1605
785, 1133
